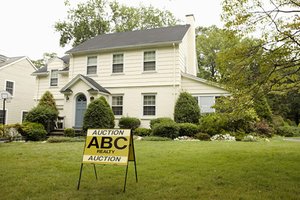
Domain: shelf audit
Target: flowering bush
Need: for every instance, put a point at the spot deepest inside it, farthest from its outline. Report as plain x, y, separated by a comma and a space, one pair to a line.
221, 137
249, 138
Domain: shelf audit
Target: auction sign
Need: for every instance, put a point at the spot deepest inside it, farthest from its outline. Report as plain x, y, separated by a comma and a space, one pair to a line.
108, 146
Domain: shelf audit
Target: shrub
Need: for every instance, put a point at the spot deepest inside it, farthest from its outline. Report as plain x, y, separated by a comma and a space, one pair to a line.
288, 131
48, 100
239, 136
213, 123
129, 123
249, 138
277, 120
262, 108
262, 128
188, 129
69, 132
159, 120
186, 109
44, 115
98, 115
142, 132
221, 137
202, 136
10, 131
32, 131
170, 130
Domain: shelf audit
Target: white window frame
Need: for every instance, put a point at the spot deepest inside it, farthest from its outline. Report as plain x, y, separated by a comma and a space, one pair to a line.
116, 63
13, 89
149, 60
149, 105
53, 78
91, 65
113, 105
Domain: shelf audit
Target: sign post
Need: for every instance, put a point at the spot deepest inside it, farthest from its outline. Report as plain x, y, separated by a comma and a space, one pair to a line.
108, 146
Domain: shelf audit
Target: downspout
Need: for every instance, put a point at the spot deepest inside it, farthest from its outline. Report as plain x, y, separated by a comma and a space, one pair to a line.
174, 73
38, 89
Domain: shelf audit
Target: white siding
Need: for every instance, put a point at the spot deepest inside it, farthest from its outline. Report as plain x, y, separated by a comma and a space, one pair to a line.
20, 74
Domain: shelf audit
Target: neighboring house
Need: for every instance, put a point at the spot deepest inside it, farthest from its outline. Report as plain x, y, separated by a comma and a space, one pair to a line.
141, 74
15, 78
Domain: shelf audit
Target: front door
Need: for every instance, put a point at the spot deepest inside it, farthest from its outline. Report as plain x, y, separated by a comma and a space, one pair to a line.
80, 109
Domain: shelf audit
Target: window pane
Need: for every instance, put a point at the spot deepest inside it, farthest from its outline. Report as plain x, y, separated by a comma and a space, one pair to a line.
117, 110
92, 61
149, 56
149, 61
117, 58
149, 100
206, 103
149, 110
10, 87
91, 70
117, 68
54, 77
53, 82
149, 105
117, 105
2, 113
149, 66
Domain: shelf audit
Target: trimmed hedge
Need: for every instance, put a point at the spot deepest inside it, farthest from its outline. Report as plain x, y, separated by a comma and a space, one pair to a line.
170, 130
202, 136
159, 120
188, 129
142, 132
32, 131
129, 123
186, 109
69, 132
288, 131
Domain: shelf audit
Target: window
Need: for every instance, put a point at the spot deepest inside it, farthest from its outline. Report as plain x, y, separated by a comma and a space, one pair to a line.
206, 103
54, 77
117, 63
149, 61
149, 105
10, 87
91, 65
117, 105
24, 113
2, 116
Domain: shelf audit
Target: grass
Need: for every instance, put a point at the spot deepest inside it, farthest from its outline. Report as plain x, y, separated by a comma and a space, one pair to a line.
166, 170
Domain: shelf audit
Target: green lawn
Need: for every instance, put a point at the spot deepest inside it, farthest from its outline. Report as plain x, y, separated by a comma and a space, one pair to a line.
166, 170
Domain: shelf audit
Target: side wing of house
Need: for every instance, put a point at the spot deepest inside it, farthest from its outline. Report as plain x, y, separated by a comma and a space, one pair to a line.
205, 92
16, 78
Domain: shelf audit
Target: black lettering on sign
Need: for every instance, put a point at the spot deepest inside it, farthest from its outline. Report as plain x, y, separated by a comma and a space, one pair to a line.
116, 143
93, 142
106, 142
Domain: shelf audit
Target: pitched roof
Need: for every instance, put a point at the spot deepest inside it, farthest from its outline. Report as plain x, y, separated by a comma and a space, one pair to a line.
6, 60
89, 81
165, 35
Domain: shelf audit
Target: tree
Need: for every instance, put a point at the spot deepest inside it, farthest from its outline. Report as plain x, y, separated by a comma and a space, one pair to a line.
98, 115
277, 22
42, 62
210, 41
96, 17
186, 109
48, 100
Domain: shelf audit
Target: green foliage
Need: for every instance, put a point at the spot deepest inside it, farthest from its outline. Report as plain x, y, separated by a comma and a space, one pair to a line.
159, 120
186, 109
129, 123
98, 115
69, 132
214, 123
188, 129
32, 131
262, 108
60, 139
170, 130
42, 62
142, 132
42, 114
48, 100
202, 136
288, 131
96, 17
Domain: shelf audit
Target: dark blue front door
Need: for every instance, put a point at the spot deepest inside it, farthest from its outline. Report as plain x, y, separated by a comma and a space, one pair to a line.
80, 109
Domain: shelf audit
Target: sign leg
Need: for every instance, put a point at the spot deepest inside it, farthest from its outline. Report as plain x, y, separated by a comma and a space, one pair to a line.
125, 178
95, 172
79, 176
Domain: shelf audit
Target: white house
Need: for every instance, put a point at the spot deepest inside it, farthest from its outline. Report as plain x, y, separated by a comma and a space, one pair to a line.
15, 78
141, 74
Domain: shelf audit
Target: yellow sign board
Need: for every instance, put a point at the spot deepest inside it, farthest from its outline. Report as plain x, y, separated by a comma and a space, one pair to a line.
108, 146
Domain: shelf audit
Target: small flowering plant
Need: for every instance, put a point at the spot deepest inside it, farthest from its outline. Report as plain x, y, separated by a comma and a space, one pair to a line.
220, 137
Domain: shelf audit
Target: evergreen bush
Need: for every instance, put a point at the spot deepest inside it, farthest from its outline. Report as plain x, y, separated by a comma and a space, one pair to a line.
69, 132
186, 109
129, 123
159, 120
142, 132
32, 131
188, 129
202, 136
170, 130
98, 115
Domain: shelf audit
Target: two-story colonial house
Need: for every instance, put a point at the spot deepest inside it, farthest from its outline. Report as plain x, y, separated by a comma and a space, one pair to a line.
15, 78
141, 74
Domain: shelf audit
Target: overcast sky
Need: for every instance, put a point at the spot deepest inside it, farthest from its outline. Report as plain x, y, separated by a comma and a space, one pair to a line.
27, 26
